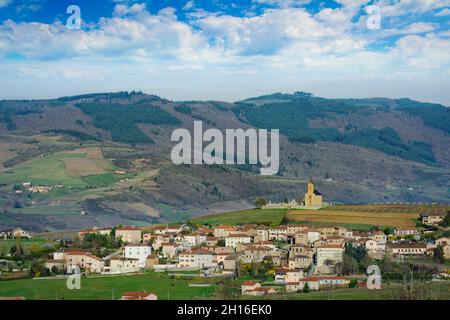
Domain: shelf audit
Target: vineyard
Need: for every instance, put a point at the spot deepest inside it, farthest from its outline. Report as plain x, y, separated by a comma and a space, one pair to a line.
390, 215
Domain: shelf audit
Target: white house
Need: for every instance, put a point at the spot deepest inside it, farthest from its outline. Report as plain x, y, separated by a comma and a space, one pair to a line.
234, 239
138, 251
200, 258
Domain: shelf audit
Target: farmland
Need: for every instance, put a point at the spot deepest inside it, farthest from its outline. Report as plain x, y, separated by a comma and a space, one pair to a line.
58, 168
382, 215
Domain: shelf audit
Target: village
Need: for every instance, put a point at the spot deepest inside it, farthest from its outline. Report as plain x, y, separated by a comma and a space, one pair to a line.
284, 258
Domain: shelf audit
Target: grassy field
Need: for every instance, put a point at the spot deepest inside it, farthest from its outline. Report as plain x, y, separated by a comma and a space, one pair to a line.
354, 217
71, 168
258, 216
439, 291
5, 245
107, 287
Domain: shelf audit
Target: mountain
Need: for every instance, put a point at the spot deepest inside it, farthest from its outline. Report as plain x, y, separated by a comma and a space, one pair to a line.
104, 158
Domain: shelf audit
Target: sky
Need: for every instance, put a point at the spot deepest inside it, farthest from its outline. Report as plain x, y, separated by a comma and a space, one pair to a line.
227, 50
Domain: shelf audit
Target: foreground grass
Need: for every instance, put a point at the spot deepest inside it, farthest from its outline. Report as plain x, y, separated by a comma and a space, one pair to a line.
424, 291
109, 287
255, 216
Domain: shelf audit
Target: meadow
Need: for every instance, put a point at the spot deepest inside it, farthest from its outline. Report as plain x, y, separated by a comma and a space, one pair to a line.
78, 168
111, 287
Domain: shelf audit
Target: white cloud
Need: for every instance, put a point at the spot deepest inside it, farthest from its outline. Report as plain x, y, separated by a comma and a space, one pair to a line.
123, 9
4, 3
189, 5
283, 3
443, 13
392, 8
218, 56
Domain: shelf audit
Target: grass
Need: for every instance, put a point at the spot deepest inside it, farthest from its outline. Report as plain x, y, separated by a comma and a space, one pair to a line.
47, 170
256, 216
105, 287
5, 245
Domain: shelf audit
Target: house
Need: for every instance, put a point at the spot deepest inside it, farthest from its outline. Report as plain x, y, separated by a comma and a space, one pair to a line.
301, 250
231, 262
194, 239
129, 234
329, 253
336, 240
300, 262
151, 261
197, 258
407, 249
170, 250
278, 233
374, 247
255, 253
19, 233
432, 218
104, 231
316, 283
159, 229
211, 241
139, 296
292, 229
262, 233
81, 259
123, 265
283, 275
261, 291
138, 251
402, 232
444, 241
234, 239
223, 231
249, 286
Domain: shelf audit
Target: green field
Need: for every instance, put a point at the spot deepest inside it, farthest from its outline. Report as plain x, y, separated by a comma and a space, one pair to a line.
5, 245
257, 216
439, 291
107, 287
51, 169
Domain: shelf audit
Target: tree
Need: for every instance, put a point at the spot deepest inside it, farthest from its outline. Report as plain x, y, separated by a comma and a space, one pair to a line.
306, 288
446, 222
439, 254
260, 202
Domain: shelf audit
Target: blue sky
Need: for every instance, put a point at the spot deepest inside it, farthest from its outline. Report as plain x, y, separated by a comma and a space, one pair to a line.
226, 50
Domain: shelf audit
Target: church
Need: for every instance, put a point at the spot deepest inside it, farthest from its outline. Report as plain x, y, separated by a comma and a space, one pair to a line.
312, 200
313, 197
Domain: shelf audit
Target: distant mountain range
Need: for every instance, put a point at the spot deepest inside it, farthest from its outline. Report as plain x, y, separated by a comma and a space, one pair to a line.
105, 156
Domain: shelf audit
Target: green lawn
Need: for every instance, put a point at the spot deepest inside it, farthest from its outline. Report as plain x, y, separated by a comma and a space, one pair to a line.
103, 288
258, 216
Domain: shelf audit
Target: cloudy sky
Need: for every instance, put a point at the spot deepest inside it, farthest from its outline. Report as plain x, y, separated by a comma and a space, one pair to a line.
226, 50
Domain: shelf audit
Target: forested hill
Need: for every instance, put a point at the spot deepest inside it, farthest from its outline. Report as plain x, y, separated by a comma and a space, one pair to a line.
109, 155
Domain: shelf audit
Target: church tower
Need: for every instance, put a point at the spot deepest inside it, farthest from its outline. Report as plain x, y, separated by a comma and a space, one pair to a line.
310, 186
313, 198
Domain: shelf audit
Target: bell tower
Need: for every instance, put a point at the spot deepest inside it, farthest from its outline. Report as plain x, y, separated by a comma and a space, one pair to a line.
310, 187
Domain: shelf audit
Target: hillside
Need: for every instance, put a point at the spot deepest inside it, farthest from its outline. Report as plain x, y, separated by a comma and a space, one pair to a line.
105, 158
